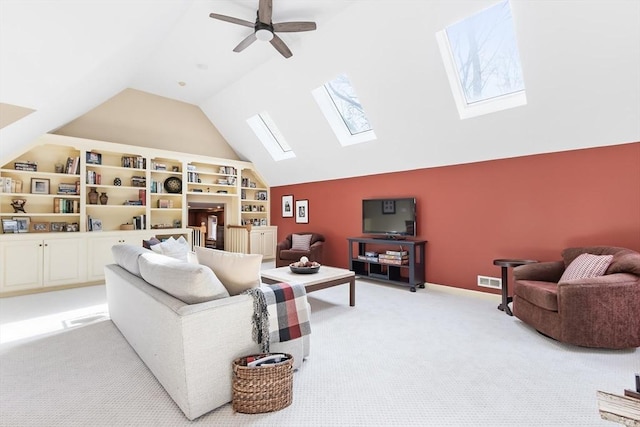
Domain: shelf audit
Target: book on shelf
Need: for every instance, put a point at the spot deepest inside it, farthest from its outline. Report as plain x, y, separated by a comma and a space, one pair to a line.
393, 257
621, 406
368, 258
62, 205
139, 222
393, 261
142, 195
25, 165
402, 253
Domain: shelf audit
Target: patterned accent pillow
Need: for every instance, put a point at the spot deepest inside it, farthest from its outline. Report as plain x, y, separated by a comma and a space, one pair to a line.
300, 242
585, 266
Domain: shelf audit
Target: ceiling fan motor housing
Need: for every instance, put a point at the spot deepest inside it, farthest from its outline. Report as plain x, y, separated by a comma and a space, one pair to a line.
263, 31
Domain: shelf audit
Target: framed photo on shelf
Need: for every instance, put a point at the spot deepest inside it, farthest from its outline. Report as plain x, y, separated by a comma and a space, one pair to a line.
23, 223
261, 195
58, 226
40, 227
302, 211
96, 224
287, 206
94, 158
9, 225
72, 227
39, 186
388, 207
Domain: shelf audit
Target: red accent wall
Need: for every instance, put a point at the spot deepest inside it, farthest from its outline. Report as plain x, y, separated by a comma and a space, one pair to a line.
525, 207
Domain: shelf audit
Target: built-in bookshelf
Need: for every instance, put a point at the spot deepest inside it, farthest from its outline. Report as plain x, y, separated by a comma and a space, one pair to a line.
85, 196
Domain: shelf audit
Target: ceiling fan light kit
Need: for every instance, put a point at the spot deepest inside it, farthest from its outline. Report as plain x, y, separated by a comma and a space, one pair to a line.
264, 29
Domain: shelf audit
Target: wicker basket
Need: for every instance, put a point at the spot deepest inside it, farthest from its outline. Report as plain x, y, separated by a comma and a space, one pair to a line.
264, 388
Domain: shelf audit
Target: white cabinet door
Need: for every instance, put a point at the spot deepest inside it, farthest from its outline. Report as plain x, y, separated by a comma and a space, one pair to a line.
21, 265
99, 252
65, 261
263, 241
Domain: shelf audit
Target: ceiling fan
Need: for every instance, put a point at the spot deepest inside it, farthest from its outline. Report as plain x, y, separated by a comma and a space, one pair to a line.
264, 29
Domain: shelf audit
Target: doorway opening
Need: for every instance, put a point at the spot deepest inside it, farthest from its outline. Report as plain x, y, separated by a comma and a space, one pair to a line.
210, 215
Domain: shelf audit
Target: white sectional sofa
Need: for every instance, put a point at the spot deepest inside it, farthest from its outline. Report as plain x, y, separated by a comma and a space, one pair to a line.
188, 347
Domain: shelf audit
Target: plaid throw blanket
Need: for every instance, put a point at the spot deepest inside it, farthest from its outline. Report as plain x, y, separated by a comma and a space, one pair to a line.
279, 313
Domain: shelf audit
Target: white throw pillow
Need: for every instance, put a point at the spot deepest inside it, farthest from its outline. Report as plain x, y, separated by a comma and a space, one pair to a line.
301, 242
237, 272
178, 249
188, 282
585, 266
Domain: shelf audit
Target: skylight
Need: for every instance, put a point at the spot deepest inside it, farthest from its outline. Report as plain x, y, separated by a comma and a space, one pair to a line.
344, 112
269, 134
480, 55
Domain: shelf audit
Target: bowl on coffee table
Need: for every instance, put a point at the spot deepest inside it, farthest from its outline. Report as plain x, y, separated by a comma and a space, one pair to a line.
304, 268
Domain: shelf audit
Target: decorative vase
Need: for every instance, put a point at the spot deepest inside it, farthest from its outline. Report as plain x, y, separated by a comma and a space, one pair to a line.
93, 197
104, 199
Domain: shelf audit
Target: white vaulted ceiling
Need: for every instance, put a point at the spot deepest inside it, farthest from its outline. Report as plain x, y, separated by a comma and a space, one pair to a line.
580, 59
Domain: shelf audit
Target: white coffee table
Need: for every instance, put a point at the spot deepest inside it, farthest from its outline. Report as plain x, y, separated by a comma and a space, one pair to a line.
324, 278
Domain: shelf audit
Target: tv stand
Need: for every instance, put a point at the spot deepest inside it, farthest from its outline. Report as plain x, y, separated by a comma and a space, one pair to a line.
410, 273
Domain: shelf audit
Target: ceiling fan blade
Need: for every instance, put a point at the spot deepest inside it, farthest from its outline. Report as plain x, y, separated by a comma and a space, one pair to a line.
280, 46
293, 27
245, 43
232, 20
265, 9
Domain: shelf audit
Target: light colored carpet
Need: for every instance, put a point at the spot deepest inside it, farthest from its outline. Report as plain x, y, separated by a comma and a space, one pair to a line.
437, 357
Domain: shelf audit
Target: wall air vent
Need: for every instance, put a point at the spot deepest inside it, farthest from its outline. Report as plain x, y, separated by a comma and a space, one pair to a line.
489, 282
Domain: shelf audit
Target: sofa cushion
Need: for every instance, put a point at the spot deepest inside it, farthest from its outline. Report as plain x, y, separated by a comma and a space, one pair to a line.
541, 294
237, 272
177, 249
585, 266
300, 242
625, 261
126, 256
188, 282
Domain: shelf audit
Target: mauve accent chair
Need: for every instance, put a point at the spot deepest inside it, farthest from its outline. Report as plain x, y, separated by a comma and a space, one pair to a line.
285, 255
598, 312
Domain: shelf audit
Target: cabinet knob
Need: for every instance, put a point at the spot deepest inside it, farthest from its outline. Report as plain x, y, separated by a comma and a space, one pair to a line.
40, 245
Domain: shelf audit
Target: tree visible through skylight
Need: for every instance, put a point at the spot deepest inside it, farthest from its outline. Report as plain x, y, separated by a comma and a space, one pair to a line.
346, 102
484, 50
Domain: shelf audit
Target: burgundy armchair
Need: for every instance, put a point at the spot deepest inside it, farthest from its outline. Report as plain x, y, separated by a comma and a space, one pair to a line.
600, 312
285, 255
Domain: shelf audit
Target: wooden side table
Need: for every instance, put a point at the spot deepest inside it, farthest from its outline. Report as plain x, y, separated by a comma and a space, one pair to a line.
505, 264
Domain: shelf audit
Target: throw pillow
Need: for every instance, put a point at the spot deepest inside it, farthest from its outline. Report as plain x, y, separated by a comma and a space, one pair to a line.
237, 272
148, 243
585, 266
178, 249
126, 256
188, 282
301, 242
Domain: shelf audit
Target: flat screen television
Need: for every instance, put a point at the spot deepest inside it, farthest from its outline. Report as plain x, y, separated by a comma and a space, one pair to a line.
389, 218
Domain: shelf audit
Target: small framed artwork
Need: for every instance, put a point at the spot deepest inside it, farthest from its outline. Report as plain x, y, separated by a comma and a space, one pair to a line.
23, 223
287, 206
39, 186
96, 224
58, 226
40, 227
302, 211
261, 195
72, 227
388, 207
94, 158
9, 226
